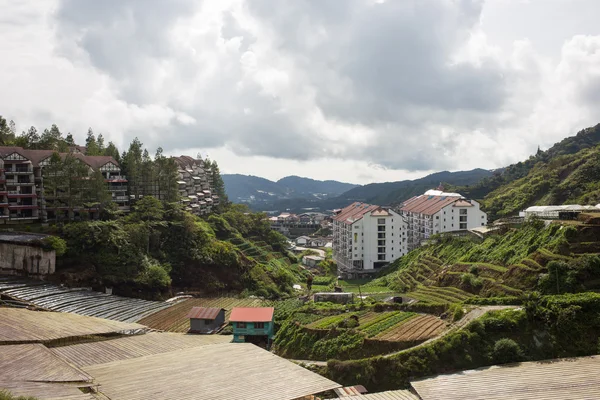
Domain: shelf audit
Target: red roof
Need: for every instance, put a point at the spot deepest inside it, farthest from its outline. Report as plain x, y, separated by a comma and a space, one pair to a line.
429, 204
354, 212
204, 313
257, 314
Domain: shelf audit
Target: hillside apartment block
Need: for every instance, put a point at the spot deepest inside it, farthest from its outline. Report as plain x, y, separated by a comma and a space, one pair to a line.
438, 212
22, 196
366, 238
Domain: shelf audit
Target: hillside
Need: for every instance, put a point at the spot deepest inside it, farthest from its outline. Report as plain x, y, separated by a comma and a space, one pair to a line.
568, 172
508, 264
386, 193
255, 191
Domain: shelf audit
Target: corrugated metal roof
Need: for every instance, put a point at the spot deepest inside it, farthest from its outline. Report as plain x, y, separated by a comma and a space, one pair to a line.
204, 313
45, 391
233, 371
427, 205
105, 351
256, 314
390, 395
354, 212
560, 379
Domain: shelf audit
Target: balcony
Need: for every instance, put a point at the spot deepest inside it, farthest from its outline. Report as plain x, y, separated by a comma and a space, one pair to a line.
15, 206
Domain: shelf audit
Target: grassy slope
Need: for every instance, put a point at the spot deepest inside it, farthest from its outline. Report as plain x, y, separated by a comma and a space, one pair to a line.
455, 268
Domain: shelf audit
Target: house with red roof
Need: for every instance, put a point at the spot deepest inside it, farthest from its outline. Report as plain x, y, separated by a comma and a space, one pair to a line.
437, 212
253, 325
366, 238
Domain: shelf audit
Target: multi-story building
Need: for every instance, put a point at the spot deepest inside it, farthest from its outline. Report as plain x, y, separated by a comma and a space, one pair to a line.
366, 238
195, 185
22, 194
438, 212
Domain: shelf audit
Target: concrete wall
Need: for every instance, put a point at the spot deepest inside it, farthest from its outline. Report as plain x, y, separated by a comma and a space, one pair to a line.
16, 259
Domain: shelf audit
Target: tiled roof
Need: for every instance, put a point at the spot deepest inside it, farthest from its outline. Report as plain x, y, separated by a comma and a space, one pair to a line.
354, 212
256, 314
428, 205
462, 203
37, 156
204, 313
381, 212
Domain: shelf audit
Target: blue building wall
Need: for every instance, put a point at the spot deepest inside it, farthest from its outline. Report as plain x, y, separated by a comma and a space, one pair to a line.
239, 333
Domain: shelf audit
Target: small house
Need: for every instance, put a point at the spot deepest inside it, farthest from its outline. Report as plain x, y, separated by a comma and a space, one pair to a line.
312, 261
333, 297
253, 325
302, 241
206, 320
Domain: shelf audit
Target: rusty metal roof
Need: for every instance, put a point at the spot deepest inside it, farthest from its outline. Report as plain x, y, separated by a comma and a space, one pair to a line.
256, 314
204, 312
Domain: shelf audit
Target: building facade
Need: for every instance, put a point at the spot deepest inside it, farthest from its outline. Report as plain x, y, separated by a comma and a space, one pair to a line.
366, 238
206, 319
253, 325
196, 185
438, 212
22, 194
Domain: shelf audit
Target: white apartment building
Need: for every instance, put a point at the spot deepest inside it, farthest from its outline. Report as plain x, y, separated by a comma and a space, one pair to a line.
366, 238
439, 212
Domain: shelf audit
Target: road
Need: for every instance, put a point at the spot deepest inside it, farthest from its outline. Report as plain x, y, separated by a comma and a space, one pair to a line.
318, 251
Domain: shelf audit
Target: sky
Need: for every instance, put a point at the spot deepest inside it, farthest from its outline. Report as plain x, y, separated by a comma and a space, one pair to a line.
356, 90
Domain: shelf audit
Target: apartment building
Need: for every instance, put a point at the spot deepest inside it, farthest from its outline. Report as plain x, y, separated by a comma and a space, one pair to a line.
438, 212
22, 196
195, 185
366, 238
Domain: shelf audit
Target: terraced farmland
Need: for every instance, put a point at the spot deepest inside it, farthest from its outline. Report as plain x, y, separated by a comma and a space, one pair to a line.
173, 319
417, 328
439, 294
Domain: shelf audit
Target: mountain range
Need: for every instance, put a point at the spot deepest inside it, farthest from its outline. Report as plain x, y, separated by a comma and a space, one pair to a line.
568, 172
295, 194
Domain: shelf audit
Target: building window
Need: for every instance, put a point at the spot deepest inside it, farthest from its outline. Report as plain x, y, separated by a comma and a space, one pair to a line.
355, 248
381, 242
381, 257
259, 325
381, 249
355, 226
463, 218
381, 221
482, 224
381, 228
437, 217
241, 325
381, 235
207, 322
462, 211
482, 217
356, 256
463, 226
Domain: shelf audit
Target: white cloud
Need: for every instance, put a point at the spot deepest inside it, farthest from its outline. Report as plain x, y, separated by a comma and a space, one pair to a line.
356, 90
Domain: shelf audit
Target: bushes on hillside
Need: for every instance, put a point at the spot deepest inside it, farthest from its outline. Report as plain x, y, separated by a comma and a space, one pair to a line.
507, 351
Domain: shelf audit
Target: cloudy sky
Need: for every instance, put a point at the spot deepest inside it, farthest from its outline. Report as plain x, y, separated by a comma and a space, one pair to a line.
353, 90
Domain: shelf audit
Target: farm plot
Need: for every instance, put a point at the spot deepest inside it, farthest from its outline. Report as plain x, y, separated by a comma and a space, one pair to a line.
389, 321
435, 294
418, 328
173, 319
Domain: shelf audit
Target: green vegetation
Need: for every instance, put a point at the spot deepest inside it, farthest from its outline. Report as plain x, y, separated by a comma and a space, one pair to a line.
5, 395
548, 327
381, 326
566, 173
532, 257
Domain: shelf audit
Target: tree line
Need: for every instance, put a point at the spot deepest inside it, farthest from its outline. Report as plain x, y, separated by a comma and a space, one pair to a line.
146, 176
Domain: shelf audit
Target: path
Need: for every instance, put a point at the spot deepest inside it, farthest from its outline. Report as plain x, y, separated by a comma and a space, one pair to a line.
468, 317
319, 251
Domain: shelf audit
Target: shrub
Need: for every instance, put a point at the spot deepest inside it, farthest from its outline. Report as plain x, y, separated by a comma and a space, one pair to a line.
457, 312
507, 351
55, 243
4, 395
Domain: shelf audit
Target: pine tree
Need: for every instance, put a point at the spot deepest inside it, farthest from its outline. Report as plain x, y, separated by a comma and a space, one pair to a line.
69, 139
100, 143
6, 134
132, 165
111, 150
91, 144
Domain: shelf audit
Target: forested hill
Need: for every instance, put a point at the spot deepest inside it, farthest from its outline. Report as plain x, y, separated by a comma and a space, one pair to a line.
256, 191
387, 193
568, 172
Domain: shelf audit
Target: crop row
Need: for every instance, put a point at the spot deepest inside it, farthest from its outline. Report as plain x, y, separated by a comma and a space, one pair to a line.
387, 323
379, 317
328, 322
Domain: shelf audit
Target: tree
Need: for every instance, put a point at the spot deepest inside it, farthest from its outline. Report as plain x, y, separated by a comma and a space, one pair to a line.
166, 176
132, 165
148, 208
69, 139
100, 143
92, 148
29, 139
6, 133
111, 150
217, 181
507, 351
51, 139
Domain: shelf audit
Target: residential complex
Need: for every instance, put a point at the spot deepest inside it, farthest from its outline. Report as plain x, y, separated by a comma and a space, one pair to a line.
294, 225
438, 212
26, 177
195, 185
366, 238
